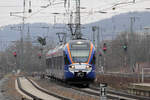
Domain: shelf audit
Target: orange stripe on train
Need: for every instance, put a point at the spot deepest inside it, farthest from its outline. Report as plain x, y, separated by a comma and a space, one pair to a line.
90, 53
69, 53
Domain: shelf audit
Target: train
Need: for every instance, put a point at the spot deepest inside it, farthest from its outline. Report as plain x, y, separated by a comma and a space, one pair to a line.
73, 62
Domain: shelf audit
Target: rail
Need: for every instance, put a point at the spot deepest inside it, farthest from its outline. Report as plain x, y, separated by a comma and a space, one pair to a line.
25, 92
47, 92
40, 89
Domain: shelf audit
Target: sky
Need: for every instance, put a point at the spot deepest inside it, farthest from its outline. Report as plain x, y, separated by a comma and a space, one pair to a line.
45, 15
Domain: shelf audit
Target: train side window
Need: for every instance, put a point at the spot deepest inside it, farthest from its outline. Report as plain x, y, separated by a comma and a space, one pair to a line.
54, 65
62, 60
50, 62
47, 62
58, 62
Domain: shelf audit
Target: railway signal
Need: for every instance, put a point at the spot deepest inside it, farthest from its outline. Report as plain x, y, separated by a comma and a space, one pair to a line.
15, 54
100, 54
42, 41
104, 47
30, 10
125, 47
40, 56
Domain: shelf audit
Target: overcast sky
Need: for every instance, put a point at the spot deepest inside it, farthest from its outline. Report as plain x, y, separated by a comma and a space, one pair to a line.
88, 15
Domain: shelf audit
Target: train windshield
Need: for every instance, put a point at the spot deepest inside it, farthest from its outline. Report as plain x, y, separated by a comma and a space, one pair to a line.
80, 53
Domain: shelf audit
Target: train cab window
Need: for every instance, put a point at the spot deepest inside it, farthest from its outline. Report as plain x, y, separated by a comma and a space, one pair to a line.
80, 51
48, 62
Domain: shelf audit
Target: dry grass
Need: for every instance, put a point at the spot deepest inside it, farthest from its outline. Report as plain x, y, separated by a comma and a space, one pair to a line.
11, 91
118, 82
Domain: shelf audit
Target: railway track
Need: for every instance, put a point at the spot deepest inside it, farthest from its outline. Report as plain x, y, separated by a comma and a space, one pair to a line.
115, 95
34, 92
92, 91
111, 94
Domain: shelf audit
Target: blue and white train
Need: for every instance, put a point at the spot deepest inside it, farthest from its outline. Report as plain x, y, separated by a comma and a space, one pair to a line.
73, 62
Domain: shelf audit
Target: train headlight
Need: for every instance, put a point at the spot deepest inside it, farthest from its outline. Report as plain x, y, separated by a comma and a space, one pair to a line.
72, 67
88, 67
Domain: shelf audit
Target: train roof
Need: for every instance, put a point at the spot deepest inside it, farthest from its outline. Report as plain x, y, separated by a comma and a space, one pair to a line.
62, 47
52, 51
80, 40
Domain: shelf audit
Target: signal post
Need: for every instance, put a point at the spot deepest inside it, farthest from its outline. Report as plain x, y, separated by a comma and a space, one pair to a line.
103, 91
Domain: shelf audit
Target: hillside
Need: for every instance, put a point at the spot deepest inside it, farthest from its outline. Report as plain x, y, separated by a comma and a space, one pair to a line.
110, 27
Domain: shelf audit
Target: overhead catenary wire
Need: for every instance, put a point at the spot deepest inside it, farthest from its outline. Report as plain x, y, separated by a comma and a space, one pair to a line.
42, 9
54, 1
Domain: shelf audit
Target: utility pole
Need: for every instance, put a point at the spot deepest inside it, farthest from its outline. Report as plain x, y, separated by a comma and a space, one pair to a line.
93, 29
22, 30
70, 26
132, 57
147, 37
28, 35
77, 20
22, 36
98, 48
132, 19
77, 33
132, 42
28, 46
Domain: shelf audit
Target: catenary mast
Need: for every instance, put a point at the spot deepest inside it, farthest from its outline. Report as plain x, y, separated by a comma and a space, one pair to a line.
77, 33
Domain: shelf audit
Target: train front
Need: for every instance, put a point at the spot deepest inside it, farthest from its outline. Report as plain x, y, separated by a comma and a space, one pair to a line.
80, 62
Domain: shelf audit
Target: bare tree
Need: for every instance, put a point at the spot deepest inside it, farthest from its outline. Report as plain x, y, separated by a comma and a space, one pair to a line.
137, 51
